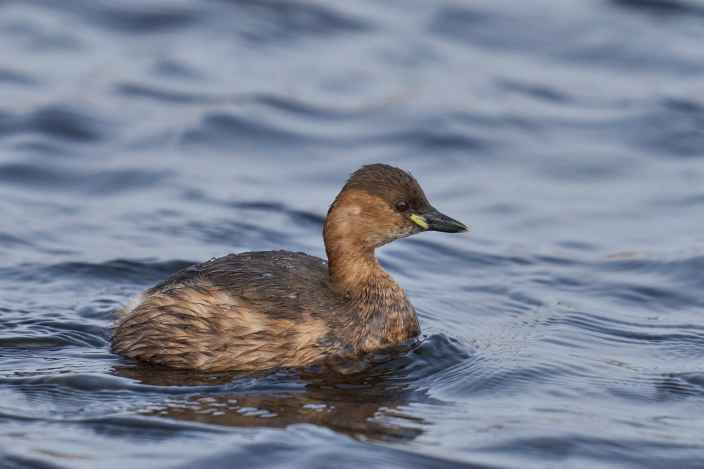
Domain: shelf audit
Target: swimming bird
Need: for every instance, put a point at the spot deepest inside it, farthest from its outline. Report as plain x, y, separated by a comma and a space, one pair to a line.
281, 309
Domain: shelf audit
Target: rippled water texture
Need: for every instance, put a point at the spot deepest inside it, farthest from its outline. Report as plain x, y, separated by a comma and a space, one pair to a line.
566, 330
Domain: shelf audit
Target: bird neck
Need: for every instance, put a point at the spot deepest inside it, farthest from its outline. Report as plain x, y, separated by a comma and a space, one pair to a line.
352, 264
353, 269
387, 317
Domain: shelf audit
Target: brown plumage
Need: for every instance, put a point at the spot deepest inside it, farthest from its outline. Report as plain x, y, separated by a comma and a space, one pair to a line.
261, 310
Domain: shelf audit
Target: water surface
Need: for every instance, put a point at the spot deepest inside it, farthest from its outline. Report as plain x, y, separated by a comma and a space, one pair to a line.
566, 330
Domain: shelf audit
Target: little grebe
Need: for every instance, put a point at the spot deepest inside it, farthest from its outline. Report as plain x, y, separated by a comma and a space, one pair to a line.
262, 310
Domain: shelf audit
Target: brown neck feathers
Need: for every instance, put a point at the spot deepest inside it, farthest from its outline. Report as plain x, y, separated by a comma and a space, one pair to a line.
351, 260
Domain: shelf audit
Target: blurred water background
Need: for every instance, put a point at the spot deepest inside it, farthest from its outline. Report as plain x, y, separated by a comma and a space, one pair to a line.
566, 330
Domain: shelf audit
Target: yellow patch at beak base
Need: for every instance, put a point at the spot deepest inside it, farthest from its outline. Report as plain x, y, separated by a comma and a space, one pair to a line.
420, 221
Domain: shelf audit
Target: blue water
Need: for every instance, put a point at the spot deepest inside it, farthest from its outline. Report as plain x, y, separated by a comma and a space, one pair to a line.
566, 330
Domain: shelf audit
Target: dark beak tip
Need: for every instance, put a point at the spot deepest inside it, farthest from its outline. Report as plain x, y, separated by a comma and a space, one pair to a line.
459, 229
441, 222
452, 228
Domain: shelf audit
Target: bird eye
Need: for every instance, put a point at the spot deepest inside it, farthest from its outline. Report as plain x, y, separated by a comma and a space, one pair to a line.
402, 206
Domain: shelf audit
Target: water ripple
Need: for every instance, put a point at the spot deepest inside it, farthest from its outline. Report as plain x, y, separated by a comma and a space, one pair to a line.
140, 136
59, 179
57, 121
14, 77
662, 7
130, 17
280, 21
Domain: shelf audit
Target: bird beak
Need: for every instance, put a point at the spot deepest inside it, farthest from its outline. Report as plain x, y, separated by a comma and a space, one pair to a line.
436, 221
